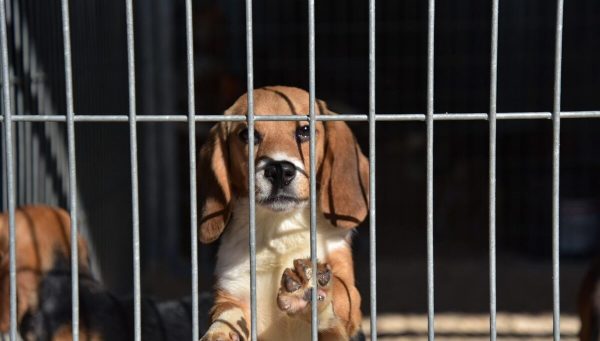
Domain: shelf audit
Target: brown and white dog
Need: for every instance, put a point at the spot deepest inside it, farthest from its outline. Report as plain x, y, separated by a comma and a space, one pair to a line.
282, 220
42, 235
44, 289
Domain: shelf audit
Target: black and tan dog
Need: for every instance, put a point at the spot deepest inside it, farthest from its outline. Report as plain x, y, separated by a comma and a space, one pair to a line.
44, 288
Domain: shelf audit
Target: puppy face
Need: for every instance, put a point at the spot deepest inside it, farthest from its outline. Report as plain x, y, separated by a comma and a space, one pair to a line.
281, 162
282, 166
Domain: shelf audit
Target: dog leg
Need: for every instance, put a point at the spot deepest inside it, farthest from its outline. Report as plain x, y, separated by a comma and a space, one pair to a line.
228, 320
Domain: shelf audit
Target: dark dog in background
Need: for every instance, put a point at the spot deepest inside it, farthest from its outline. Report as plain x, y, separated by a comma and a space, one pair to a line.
44, 288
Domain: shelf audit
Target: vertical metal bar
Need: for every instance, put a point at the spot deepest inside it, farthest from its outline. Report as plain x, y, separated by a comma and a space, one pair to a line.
556, 170
251, 178
429, 120
134, 172
20, 158
27, 109
313, 166
10, 185
492, 166
192, 149
27, 64
28, 160
15, 17
372, 152
35, 156
4, 181
72, 172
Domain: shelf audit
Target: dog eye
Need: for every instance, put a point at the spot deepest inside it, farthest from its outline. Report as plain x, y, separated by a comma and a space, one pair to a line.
303, 133
243, 134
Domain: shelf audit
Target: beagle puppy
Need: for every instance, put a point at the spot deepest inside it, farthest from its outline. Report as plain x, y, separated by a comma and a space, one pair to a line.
44, 289
42, 235
283, 266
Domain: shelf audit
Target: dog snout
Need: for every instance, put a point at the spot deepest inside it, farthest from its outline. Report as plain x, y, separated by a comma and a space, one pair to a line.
280, 173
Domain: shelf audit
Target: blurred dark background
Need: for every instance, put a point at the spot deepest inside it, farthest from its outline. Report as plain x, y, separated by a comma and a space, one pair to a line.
462, 48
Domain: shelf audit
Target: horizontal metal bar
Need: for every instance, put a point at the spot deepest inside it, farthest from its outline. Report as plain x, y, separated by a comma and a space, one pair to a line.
341, 117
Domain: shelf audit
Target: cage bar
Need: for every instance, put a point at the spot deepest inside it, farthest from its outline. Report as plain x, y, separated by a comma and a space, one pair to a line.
429, 121
556, 171
372, 197
251, 179
400, 117
72, 169
134, 173
429, 117
189, 33
10, 177
492, 166
313, 166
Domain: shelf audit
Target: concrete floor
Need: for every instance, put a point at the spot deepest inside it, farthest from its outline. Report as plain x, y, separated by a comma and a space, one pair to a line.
472, 327
462, 285
524, 298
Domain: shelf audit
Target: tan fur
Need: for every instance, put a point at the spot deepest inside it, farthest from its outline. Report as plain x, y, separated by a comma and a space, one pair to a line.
346, 299
342, 183
344, 178
41, 233
215, 191
65, 333
224, 303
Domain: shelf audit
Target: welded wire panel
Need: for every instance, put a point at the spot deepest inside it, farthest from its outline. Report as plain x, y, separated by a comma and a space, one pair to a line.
429, 120
556, 170
492, 167
134, 173
372, 151
72, 170
192, 156
10, 177
313, 165
251, 179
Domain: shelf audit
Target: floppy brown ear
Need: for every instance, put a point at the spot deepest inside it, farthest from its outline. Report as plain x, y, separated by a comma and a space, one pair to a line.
214, 188
343, 177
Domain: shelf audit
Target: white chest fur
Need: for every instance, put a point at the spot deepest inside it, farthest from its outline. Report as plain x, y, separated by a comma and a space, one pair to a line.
280, 238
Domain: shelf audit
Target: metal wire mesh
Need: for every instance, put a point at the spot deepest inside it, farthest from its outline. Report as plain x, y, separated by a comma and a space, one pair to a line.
429, 117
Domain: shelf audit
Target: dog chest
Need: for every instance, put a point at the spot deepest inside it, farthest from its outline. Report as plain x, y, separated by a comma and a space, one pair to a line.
278, 243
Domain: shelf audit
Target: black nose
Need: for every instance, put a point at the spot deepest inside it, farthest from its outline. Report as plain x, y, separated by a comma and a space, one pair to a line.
280, 173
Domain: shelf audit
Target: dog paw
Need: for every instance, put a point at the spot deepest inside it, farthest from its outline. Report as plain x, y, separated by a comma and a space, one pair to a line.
295, 291
221, 333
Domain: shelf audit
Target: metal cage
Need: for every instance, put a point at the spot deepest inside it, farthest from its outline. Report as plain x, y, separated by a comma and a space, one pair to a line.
70, 118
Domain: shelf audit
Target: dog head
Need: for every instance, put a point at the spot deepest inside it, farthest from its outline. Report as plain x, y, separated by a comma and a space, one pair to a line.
282, 167
42, 238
